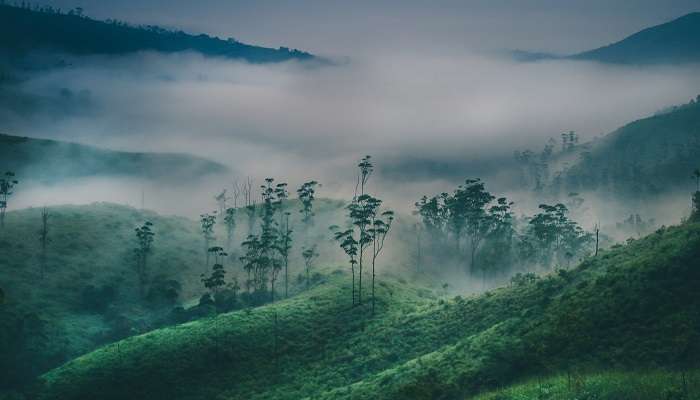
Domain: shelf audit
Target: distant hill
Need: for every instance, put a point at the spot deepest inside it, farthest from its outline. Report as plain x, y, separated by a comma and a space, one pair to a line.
632, 307
24, 30
650, 156
50, 160
674, 42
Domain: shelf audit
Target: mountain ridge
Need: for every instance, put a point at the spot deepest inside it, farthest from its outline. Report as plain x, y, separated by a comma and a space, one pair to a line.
24, 30
50, 160
673, 42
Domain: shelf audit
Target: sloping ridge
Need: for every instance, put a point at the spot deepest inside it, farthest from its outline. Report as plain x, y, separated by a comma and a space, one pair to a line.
24, 30
51, 160
677, 41
646, 157
632, 306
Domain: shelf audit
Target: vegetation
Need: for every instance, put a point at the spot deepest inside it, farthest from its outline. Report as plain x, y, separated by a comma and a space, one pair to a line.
633, 161
7, 186
643, 385
632, 307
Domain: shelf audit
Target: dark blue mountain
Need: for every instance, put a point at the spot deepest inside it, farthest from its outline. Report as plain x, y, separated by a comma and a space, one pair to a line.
25, 30
674, 42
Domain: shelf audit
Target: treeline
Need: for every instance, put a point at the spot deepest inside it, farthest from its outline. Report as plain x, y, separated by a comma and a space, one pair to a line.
25, 27
474, 229
644, 158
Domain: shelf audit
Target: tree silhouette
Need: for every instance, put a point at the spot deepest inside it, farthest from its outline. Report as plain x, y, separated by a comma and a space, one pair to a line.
284, 245
378, 232
43, 239
309, 254
306, 194
144, 237
7, 185
349, 244
215, 281
207, 223
230, 222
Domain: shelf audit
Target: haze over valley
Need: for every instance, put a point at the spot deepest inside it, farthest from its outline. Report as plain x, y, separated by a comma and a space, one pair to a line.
325, 200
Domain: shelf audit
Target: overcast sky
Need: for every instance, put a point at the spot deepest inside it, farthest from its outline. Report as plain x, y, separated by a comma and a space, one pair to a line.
334, 27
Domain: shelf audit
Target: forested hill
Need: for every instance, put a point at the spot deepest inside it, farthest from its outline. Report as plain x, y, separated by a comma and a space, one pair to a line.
674, 42
632, 307
648, 156
23, 30
51, 160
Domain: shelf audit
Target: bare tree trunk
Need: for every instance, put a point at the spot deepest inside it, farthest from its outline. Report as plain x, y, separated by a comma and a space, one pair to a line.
359, 285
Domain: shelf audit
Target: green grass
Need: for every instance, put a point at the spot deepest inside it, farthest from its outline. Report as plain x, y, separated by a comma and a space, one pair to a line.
635, 306
610, 385
90, 245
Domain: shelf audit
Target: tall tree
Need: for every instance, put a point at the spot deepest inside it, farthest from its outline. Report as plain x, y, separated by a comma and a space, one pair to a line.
284, 245
43, 239
468, 215
306, 194
309, 254
207, 223
7, 185
230, 222
378, 232
216, 279
221, 199
144, 239
346, 240
360, 211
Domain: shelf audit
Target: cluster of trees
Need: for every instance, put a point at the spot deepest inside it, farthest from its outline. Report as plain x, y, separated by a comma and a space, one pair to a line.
482, 233
264, 254
365, 232
656, 164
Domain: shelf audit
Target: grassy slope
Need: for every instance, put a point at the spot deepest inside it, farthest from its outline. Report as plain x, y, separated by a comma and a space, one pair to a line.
633, 306
90, 245
642, 385
93, 245
50, 160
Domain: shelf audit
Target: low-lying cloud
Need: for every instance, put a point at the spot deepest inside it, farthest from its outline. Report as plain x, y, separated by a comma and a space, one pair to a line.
428, 121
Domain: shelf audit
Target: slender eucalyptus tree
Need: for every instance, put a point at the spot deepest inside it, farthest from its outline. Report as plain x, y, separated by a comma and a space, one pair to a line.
7, 185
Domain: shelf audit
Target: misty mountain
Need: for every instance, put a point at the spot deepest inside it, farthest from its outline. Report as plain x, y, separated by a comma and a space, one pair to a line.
24, 30
674, 42
645, 157
50, 161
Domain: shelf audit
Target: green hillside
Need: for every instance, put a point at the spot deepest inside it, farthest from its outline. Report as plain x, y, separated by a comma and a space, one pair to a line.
51, 161
87, 292
632, 307
24, 30
645, 157
642, 385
